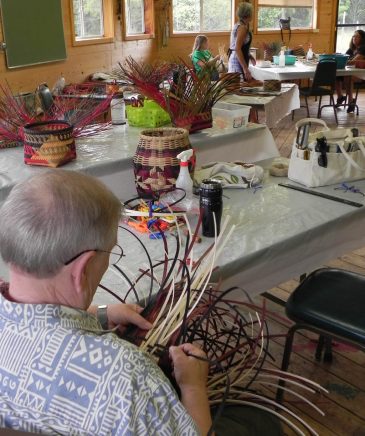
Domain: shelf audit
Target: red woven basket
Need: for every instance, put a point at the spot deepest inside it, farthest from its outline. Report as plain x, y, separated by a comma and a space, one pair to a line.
156, 166
49, 143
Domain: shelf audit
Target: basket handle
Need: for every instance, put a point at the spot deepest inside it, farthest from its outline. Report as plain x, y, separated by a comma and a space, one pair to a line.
310, 121
349, 158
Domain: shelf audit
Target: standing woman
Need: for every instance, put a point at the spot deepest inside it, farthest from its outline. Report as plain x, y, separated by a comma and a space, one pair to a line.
241, 38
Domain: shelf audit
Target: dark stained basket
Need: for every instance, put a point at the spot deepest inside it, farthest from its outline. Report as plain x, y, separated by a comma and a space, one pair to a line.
156, 166
49, 143
194, 123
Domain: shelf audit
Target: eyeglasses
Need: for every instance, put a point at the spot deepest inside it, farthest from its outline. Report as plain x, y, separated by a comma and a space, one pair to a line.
115, 254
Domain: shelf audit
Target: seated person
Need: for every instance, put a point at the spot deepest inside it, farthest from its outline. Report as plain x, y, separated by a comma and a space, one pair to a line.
356, 52
64, 374
201, 56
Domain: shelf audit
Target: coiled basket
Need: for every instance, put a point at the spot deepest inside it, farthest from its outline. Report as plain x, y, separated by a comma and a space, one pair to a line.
156, 166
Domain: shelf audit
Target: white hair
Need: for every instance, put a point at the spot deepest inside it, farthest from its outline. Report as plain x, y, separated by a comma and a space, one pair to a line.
51, 217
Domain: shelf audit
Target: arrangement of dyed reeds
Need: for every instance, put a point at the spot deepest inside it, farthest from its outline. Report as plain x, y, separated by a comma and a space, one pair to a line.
184, 306
187, 97
78, 112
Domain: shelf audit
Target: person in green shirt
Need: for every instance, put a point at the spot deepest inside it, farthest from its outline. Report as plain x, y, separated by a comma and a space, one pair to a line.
201, 56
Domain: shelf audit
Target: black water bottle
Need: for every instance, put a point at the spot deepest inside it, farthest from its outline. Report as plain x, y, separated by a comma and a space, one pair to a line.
211, 206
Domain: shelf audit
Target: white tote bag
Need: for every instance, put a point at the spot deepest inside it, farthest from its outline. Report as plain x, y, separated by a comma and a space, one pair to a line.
342, 164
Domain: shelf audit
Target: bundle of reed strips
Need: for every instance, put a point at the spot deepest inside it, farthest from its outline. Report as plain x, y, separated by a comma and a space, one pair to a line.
177, 88
79, 112
184, 306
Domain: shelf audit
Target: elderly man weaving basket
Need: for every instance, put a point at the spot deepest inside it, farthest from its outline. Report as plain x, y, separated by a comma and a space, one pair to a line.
61, 372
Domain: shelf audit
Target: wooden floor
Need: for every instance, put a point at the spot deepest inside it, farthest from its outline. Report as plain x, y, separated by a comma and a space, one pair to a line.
344, 406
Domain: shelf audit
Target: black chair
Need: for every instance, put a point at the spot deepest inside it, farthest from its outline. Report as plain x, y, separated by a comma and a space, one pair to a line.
323, 84
330, 302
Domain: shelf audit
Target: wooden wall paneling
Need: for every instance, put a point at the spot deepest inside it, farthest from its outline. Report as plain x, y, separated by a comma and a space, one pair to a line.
84, 60
81, 60
322, 41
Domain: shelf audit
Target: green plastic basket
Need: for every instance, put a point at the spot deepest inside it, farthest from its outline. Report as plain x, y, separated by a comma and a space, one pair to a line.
150, 115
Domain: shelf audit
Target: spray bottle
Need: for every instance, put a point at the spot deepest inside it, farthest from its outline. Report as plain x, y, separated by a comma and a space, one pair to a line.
184, 180
282, 57
310, 53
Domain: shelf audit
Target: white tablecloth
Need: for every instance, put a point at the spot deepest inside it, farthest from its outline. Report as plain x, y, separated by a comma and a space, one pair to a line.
298, 71
275, 107
109, 155
280, 234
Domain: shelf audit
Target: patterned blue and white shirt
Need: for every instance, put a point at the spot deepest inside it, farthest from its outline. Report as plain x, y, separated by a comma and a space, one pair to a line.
60, 374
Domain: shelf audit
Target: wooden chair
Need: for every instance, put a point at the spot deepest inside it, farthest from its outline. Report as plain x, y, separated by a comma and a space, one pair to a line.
330, 302
323, 84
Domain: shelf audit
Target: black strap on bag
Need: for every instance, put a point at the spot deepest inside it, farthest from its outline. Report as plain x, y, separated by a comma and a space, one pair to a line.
284, 24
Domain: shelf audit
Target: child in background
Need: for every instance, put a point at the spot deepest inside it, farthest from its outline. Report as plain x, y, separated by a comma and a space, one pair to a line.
201, 56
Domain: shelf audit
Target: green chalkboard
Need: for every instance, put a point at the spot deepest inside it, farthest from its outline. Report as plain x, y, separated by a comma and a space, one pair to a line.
33, 31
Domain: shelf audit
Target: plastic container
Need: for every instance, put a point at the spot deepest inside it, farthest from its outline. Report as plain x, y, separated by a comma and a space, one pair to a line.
230, 116
184, 180
282, 59
310, 53
341, 59
148, 115
117, 109
289, 59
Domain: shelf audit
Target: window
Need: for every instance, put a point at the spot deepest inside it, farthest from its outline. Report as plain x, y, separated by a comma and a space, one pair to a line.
138, 19
88, 19
135, 17
301, 13
350, 17
92, 21
202, 16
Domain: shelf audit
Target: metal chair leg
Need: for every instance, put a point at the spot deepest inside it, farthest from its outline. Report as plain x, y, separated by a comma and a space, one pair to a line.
319, 349
328, 357
302, 277
332, 101
319, 107
286, 360
306, 104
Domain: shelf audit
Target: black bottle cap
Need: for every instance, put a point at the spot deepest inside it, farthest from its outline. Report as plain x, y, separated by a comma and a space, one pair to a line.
211, 185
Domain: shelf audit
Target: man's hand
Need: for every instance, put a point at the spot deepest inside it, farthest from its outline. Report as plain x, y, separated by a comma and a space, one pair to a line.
122, 315
190, 373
